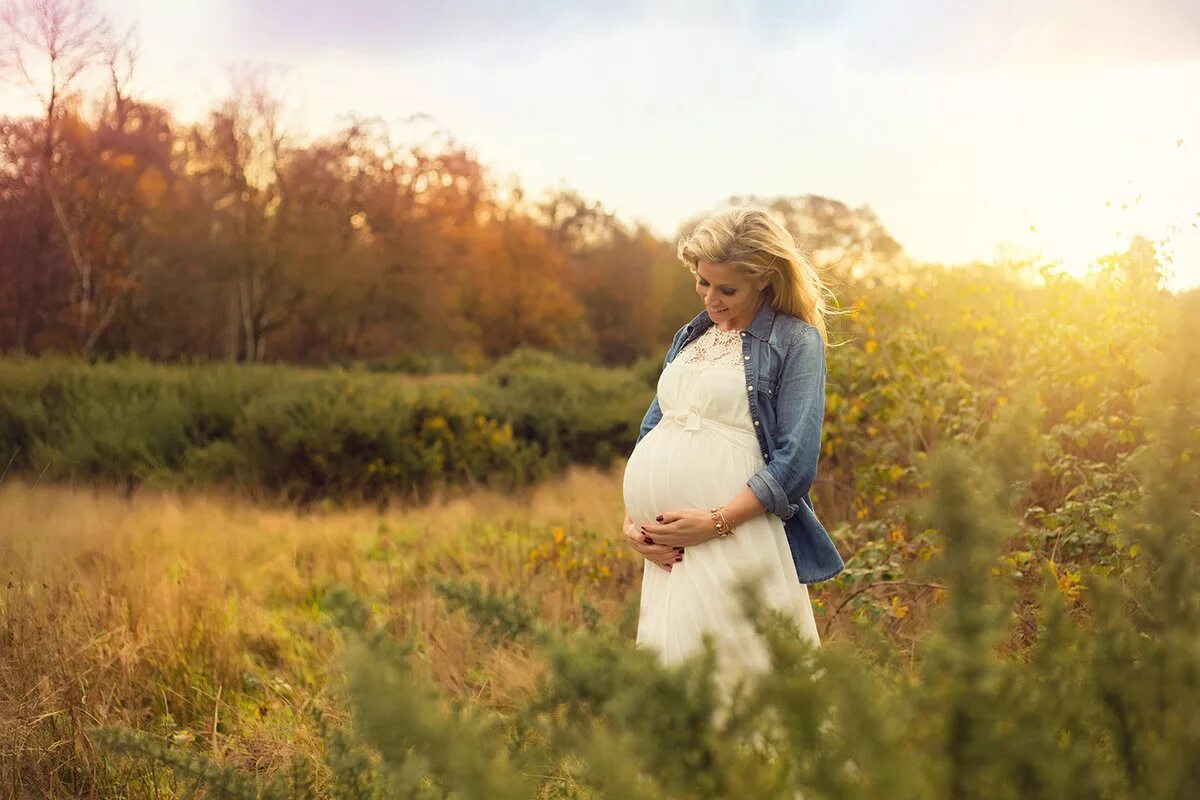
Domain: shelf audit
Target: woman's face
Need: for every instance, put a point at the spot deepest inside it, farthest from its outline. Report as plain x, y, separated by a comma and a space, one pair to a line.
730, 298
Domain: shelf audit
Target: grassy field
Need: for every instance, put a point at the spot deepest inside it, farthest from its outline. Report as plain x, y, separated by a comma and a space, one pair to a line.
200, 617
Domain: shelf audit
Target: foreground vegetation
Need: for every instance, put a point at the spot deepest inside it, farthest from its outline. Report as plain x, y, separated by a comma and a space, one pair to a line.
1095, 707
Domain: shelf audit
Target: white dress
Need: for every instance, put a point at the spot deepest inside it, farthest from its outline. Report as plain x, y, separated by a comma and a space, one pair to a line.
700, 455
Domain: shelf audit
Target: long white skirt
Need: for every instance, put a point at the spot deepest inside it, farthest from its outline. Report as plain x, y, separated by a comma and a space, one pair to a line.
700, 455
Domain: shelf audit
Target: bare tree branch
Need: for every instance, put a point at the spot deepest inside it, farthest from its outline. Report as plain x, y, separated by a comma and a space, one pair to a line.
49, 43
121, 58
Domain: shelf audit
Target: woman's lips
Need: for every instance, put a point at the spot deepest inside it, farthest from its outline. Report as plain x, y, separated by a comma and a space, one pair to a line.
716, 310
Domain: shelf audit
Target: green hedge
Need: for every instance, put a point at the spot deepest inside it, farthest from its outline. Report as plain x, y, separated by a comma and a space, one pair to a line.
305, 434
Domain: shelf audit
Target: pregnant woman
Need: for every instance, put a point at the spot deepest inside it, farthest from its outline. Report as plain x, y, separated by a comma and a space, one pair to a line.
718, 482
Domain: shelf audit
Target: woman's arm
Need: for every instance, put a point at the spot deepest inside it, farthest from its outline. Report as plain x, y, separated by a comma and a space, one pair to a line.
690, 526
743, 508
654, 412
653, 415
800, 410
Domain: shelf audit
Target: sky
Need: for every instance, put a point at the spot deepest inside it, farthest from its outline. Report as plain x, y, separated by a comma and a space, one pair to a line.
981, 130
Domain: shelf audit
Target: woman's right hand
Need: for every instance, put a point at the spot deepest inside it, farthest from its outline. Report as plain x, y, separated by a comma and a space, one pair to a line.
663, 555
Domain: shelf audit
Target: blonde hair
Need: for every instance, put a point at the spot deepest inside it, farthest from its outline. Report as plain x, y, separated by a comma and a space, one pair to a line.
753, 242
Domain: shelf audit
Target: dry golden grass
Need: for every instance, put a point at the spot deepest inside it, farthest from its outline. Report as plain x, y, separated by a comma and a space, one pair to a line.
199, 616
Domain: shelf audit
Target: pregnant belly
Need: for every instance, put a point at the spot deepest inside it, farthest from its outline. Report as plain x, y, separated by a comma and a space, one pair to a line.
672, 468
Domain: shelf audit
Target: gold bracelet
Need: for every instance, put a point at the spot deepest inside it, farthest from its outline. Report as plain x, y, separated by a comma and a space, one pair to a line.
728, 527
717, 521
723, 527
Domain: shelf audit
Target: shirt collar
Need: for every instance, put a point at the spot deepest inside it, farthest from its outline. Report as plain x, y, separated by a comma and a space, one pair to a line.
759, 327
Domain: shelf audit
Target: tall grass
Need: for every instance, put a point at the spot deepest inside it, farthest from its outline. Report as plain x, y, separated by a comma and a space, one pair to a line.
204, 620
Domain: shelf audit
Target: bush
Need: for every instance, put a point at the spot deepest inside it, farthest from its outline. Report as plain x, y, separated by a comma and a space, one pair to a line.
293, 434
575, 412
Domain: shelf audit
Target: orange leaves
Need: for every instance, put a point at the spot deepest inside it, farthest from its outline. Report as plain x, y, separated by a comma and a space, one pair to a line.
1070, 582
120, 162
579, 556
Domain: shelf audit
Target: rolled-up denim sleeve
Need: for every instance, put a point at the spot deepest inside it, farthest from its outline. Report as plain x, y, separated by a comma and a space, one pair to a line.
653, 415
799, 412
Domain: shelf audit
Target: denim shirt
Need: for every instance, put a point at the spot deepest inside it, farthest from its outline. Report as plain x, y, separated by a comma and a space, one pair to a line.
784, 360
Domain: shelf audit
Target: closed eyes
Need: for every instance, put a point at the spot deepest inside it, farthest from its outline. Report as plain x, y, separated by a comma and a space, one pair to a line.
725, 290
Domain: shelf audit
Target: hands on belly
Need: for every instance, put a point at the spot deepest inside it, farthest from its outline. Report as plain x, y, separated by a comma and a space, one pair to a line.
681, 528
664, 555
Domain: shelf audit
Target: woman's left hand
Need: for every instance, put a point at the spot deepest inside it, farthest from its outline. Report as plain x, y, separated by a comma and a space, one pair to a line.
682, 528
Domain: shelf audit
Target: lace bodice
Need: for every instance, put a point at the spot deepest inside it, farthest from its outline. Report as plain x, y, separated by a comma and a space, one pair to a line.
714, 346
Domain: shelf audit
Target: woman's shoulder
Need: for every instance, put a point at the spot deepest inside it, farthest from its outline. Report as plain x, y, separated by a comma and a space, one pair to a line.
791, 329
676, 343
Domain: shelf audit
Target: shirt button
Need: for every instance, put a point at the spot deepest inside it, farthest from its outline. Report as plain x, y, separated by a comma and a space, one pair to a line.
764, 455
749, 388
747, 358
755, 422
743, 334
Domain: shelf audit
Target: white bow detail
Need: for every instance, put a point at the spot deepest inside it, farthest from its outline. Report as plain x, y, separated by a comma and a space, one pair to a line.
689, 419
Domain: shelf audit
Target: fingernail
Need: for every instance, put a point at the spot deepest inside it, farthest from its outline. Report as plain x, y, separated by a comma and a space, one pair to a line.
659, 518
679, 558
648, 540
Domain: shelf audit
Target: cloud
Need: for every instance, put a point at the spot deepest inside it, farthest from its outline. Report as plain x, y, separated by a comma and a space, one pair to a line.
402, 30
1024, 34
921, 35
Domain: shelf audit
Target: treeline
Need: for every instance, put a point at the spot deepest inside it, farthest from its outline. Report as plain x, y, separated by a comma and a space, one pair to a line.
126, 231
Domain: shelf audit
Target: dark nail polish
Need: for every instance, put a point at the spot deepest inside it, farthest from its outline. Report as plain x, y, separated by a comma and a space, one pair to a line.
659, 518
679, 558
648, 540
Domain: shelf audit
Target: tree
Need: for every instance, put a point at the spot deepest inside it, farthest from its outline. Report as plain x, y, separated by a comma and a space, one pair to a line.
240, 155
47, 45
612, 275
110, 179
520, 294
